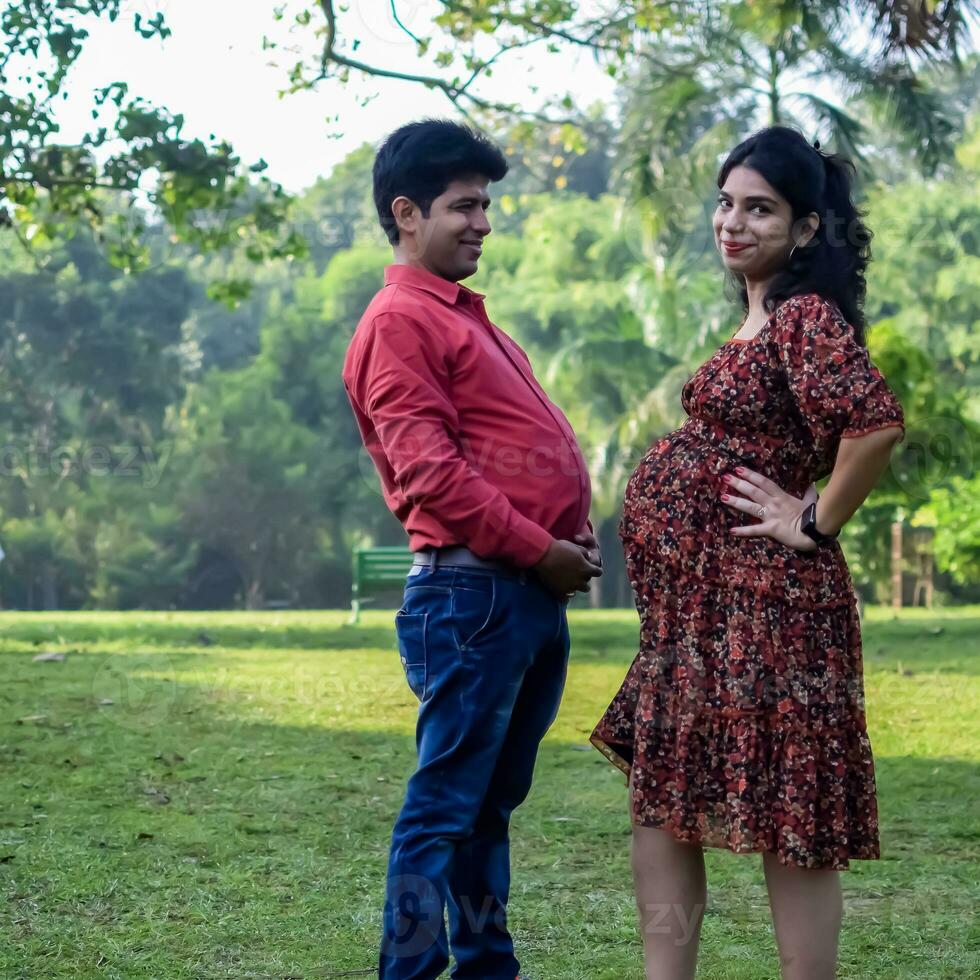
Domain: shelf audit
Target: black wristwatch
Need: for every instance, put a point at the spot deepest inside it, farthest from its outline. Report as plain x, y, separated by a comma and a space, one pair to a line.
808, 525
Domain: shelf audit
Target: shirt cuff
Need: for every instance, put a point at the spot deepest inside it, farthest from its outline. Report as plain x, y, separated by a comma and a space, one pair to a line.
533, 544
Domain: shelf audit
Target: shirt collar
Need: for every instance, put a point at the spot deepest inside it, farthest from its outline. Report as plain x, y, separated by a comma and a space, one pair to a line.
449, 292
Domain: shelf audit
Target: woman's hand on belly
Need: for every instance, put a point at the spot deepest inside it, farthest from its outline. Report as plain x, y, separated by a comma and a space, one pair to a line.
778, 512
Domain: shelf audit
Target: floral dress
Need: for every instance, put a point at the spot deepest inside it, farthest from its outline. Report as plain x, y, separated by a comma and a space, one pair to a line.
741, 721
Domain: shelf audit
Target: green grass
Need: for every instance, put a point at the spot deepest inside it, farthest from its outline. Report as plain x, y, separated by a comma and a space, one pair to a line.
228, 814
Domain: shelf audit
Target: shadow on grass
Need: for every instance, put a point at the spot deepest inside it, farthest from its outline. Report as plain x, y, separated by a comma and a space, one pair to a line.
258, 813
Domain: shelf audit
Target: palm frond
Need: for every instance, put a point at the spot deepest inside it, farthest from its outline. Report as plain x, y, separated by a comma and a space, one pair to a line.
858, 75
920, 25
846, 132
920, 116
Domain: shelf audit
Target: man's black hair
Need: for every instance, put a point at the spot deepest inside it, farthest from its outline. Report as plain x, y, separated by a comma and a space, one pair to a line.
420, 160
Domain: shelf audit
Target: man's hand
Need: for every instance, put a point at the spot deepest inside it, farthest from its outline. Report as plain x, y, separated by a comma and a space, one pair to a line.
566, 569
588, 541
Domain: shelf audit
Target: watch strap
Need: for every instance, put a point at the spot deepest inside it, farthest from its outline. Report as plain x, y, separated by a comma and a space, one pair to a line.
808, 525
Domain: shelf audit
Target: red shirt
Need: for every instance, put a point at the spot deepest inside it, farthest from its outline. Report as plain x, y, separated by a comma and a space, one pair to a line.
469, 448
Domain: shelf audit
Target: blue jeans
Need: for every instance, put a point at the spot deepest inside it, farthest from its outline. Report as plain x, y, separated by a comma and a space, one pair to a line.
486, 653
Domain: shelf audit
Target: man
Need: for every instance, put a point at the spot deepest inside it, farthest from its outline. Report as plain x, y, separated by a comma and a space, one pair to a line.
485, 474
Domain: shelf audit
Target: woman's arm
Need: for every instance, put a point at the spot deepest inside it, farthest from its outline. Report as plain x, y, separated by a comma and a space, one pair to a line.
860, 462
844, 402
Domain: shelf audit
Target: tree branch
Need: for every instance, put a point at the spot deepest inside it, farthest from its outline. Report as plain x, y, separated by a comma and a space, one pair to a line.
483, 66
26, 246
48, 181
454, 91
586, 42
394, 13
599, 26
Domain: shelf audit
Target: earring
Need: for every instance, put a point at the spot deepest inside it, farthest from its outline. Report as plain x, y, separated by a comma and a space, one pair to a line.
796, 245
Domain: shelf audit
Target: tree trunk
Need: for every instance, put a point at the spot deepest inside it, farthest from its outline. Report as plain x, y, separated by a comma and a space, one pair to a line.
49, 586
595, 593
614, 571
896, 565
254, 594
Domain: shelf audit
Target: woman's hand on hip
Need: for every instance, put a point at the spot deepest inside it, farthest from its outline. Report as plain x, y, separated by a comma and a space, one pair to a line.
778, 512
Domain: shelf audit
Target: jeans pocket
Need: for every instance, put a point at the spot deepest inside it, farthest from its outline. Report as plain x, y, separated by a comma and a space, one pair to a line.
473, 607
410, 628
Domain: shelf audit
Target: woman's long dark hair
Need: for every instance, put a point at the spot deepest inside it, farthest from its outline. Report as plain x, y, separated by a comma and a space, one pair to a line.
833, 262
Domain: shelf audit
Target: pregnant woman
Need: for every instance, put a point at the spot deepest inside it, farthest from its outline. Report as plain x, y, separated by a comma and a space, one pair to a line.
741, 722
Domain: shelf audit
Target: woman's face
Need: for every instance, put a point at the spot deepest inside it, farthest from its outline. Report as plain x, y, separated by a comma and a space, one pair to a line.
753, 225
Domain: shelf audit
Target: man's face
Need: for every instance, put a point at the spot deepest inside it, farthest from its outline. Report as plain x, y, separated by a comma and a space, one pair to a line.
450, 241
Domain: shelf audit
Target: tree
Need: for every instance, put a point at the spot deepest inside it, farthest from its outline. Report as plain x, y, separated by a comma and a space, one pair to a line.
468, 41
90, 361
337, 212
954, 512
142, 556
303, 347
924, 307
240, 476
746, 66
134, 168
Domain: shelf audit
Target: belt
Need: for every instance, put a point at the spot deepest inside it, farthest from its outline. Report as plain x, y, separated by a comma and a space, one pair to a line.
460, 555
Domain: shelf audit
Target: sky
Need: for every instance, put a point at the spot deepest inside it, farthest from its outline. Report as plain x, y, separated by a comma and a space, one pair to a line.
213, 70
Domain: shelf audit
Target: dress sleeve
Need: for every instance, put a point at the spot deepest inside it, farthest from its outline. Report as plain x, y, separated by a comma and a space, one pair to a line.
839, 392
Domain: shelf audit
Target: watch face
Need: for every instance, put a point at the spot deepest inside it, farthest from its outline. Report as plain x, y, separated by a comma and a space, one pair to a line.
809, 524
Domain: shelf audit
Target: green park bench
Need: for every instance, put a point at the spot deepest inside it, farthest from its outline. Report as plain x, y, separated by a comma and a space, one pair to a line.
375, 570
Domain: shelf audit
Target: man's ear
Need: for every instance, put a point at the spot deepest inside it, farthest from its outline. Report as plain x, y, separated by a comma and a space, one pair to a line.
406, 214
